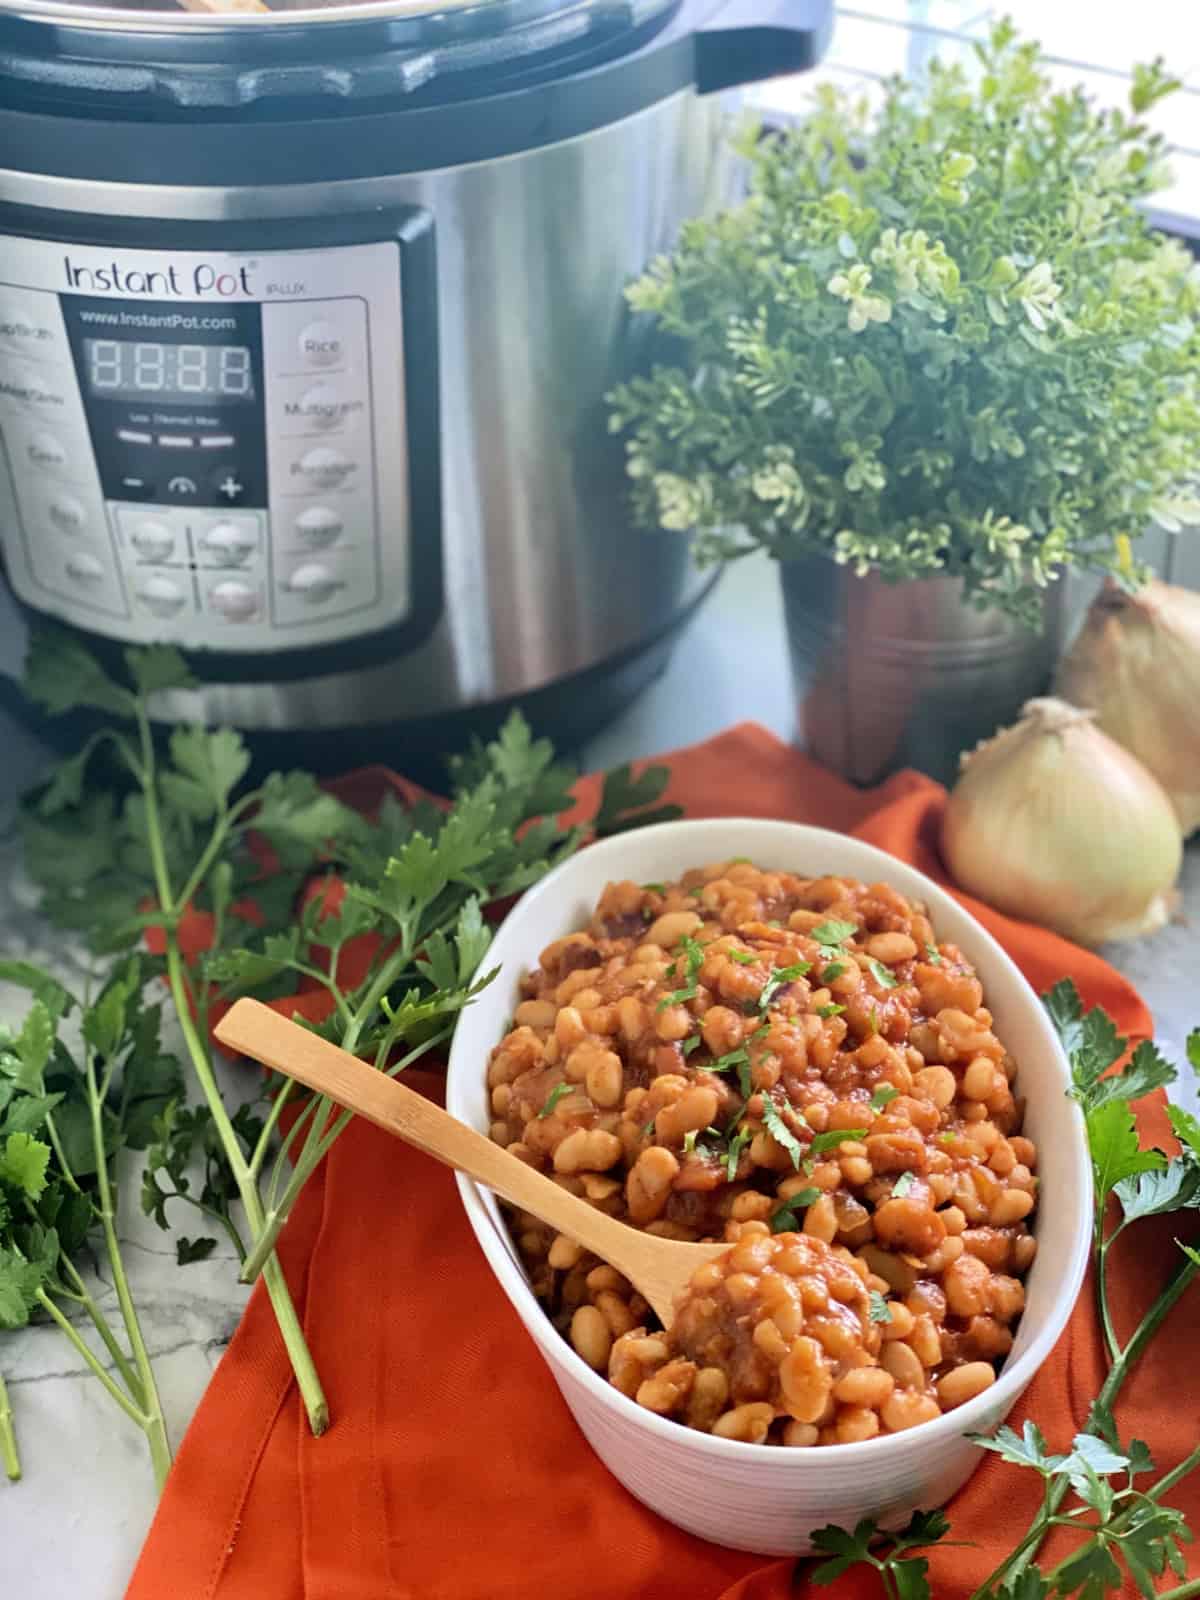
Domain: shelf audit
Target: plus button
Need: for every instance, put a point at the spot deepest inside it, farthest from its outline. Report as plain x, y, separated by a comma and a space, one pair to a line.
231, 488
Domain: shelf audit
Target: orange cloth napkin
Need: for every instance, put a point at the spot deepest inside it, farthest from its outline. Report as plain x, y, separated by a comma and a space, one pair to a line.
453, 1469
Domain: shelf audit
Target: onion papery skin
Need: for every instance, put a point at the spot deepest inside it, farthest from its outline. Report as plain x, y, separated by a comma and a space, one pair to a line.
1136, 664
1054, 822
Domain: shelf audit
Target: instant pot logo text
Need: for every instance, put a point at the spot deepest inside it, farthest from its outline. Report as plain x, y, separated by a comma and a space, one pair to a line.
199, 282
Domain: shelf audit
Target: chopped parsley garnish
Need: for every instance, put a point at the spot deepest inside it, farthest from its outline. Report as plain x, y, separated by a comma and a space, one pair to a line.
695, 960
832, 932
691, 1044
744, 958
555, 1096
778, 978
835, 971
734, 1154
725, 1063
781, 1133
885, 978
830, 1011
903, 1184
934, 954
740, 861
883, 1096
655, 888
880, 1310
774, 923
784, 1218
689, 1141
949, 1137
873, 1020
696, 891
648, 1129
831, 1140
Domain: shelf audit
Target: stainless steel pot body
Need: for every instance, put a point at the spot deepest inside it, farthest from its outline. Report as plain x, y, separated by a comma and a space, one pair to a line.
543, 574
907, 674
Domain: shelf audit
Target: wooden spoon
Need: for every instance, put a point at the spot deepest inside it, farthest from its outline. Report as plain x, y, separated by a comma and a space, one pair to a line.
660, 1268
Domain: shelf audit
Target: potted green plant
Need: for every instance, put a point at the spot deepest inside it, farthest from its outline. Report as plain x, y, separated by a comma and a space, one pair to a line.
935, 359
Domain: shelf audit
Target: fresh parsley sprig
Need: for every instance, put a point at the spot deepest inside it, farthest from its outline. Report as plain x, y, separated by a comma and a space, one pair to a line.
171, 835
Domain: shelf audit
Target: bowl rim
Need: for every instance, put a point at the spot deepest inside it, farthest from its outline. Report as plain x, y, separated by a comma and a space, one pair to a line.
1014, 1376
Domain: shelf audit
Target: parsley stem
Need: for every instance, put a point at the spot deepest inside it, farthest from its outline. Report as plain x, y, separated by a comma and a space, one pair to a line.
102, 1327
8, 1437
1121, 1368
259, 1153
1106, 1321
93, 1362
303, 1366
1169, 1479
153, 1424
1183, 1592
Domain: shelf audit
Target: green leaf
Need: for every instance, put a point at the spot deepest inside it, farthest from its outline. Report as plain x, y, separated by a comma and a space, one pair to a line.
1116, 1153
300, 819
1091, 1572
1091, 1456
830, 1010
1193, 1050
20, 1281
883, 1096
1186, 1129
844, 1549
834, 1137
150, 1083
924, 1527
31, 1050
911, 1578
1145, 1071
23, 1163
27, 1113
694, 959
209, 766
883, 976
189, 1250
158, 667
777, 980
1026, 1449
880, 1310
780, 1132
45, 989
242, 968
733, 1154
785, 1218
903, 1184
555, 1095
1175, 1187
62, 675
628, 802
832, 933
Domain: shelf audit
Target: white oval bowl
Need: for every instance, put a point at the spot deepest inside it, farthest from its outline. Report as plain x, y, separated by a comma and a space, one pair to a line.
763, 1498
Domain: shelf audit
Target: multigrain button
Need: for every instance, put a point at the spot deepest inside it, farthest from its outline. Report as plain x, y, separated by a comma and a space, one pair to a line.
321, 407
230, 544
235, 601
67, 515
318, 527
84, 567
324, 468
321, 345
161, 595
152, 539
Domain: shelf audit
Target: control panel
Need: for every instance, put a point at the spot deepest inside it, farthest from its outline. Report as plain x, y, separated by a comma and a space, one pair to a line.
203, 448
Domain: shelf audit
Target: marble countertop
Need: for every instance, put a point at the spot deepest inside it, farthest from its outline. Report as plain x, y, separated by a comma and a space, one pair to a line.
74, 1524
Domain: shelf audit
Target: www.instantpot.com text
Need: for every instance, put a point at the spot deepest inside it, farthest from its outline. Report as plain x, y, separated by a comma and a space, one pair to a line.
189, 322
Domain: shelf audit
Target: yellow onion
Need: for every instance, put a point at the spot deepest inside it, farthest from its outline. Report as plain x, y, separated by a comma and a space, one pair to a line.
1053, 821
1136, 663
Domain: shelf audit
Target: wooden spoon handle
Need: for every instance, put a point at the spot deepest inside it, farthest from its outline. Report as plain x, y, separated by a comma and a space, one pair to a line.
253, 1029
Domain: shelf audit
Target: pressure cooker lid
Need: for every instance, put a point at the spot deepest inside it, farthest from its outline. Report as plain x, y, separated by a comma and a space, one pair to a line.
176, 51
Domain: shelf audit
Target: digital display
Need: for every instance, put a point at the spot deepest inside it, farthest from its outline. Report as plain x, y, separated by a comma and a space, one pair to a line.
138, 369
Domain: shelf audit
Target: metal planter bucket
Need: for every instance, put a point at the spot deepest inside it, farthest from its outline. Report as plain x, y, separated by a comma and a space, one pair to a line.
906, 674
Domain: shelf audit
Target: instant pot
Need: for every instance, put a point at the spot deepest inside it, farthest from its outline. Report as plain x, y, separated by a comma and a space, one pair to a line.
306, 321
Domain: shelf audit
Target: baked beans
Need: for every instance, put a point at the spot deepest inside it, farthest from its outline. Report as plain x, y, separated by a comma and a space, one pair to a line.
798, 1067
